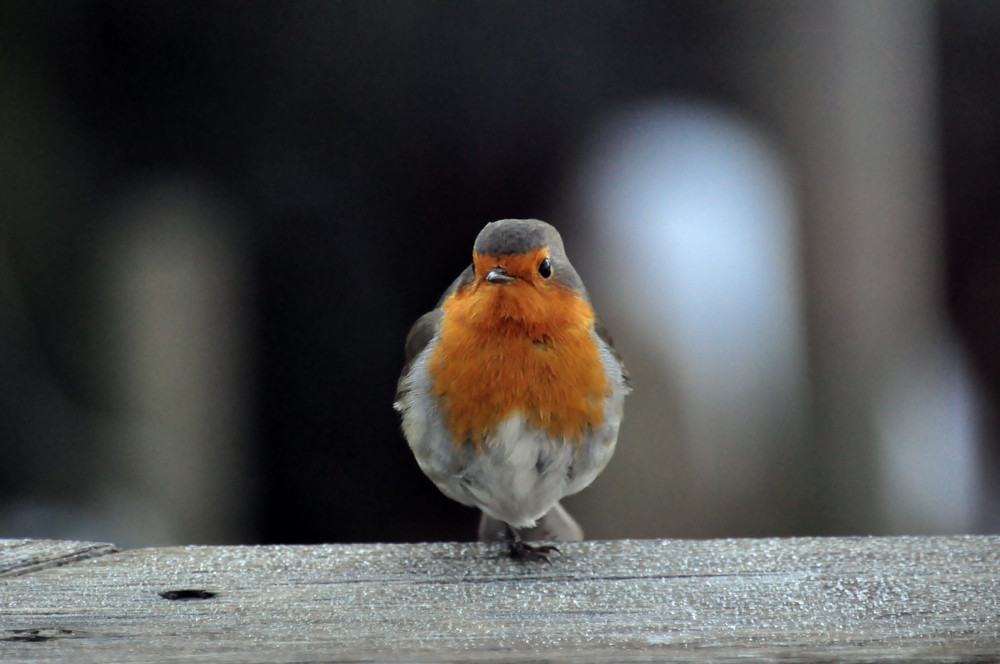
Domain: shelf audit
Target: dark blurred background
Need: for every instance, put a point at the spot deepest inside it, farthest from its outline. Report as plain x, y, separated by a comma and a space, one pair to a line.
219, 220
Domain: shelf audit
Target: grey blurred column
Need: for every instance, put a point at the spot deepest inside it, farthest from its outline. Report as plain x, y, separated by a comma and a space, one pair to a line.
850, 87
174, 287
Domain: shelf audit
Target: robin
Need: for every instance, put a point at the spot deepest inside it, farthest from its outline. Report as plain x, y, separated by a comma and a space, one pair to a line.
511, 396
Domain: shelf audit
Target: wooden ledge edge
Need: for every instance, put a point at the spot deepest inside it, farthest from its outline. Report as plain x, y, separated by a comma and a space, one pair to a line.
25, 556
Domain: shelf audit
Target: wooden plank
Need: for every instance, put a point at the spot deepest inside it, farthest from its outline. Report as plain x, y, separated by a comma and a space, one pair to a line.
842, 599
22, 556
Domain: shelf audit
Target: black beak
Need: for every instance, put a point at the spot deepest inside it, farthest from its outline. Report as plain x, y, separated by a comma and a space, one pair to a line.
498, 275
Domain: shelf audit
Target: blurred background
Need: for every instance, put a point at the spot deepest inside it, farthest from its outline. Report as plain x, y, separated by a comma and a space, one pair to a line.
218, 220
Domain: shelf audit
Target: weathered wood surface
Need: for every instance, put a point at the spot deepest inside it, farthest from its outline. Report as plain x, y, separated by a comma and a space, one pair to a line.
24, 556
829, 599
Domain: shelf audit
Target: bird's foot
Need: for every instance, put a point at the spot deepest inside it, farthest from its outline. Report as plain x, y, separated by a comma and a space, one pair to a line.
530, 553
518, 549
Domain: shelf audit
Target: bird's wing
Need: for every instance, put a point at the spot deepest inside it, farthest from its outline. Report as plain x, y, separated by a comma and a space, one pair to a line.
605, 336
427, 326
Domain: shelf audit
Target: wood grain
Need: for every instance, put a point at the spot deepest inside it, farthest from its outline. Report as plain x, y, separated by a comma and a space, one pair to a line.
827, 599
22, 556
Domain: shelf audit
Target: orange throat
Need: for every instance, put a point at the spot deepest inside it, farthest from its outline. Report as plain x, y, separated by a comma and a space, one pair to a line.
520, 348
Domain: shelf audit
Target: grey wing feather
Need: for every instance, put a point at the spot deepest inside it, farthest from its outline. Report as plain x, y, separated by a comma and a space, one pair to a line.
420, 335
605, 336
427, 325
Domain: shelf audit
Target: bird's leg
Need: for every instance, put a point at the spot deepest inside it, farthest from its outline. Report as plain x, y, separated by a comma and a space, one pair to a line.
521, 550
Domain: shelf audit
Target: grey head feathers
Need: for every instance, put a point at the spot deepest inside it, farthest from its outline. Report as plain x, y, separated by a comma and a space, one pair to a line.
519, 236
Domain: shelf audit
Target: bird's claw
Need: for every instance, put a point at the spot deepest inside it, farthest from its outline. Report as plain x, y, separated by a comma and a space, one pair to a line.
530, 553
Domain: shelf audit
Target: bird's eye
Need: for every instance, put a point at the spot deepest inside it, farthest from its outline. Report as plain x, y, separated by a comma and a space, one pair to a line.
545, 268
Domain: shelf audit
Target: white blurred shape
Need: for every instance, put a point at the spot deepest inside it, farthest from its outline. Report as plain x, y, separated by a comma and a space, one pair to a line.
927, 424
695, 221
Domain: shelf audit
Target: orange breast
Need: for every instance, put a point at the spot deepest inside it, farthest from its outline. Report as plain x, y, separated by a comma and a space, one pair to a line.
518, 348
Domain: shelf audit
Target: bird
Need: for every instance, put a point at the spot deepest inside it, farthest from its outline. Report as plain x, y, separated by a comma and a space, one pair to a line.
512, 394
